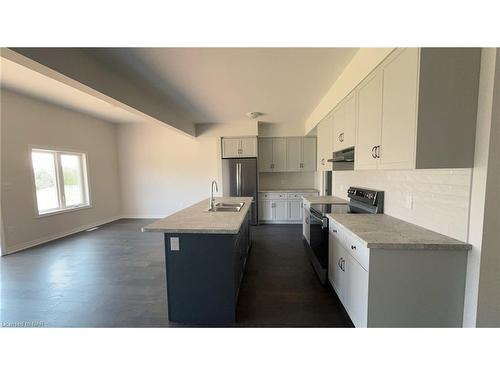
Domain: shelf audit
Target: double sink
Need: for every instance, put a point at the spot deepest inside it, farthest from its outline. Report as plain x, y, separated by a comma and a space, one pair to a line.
226, 207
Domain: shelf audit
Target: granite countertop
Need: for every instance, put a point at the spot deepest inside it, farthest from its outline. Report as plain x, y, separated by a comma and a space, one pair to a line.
306, 190
196, 219
326, 199
384, 231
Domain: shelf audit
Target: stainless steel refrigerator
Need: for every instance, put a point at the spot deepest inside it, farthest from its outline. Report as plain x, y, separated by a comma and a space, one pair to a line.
239, 178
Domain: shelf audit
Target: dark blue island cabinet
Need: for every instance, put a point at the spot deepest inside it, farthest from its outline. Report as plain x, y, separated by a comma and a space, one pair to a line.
204, 272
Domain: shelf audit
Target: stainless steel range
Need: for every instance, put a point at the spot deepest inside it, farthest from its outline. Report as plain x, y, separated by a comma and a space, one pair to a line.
362, 201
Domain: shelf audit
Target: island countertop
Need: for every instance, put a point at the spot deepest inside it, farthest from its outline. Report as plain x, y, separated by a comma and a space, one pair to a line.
196, 219
384, 231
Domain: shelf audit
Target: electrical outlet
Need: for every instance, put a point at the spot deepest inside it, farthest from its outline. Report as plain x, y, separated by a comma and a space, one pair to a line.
409, 201
174, 244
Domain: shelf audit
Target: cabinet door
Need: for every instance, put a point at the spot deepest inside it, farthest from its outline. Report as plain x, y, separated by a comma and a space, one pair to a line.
248, 147
336, 275
293, 154
399, 114
230, 147
349, 136
357, 292
369, 122
280, 210
324, 144
338, 120
265, 210
308, 162
305, 224
279, 154
265, 154
295, 210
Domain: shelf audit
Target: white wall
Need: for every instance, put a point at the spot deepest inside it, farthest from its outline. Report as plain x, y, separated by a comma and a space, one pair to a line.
29, 122
162, 171
440, 196
241, 128
488, 305
478, 191
363, 62
296, 129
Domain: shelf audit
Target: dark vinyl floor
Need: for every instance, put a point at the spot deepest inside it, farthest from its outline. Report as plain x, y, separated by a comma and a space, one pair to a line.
115, 277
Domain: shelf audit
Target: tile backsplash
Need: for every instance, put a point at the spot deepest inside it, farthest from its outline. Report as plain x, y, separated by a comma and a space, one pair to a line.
436, 199
286, 180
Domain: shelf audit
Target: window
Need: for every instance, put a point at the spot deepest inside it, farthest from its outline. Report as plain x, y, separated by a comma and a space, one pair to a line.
60, 180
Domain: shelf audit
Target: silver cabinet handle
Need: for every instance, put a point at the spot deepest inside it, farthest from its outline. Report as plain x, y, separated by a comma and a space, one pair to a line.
323, 161
353, 247
373, 152
377, 151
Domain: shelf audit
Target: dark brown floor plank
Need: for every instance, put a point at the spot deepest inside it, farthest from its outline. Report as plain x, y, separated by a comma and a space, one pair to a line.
115, 277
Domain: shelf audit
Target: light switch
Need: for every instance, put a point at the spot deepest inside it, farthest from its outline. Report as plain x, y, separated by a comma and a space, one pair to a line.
174, 244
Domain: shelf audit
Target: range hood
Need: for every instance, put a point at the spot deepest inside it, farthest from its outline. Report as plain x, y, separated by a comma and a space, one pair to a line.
343, 160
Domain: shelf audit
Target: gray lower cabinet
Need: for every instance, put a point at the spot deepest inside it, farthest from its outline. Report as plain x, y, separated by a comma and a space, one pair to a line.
392, 287
282, 206
204, 275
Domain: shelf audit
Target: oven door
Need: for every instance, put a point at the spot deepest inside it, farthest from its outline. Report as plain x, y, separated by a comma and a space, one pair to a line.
318, 228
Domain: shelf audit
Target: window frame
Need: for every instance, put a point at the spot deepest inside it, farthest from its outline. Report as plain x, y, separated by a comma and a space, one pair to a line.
57, 152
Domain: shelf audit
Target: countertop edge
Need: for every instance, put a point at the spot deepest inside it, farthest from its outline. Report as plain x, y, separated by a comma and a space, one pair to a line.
402, 246
243, 213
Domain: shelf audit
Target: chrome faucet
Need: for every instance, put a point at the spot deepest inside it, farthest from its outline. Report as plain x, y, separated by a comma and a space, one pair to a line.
212, 199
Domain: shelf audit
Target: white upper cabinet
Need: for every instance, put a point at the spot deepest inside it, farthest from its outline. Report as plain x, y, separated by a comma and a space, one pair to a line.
279, 154
324, 144
369, 122
301, 154
265, 155
399, 108
248, 147
239, 147
293, 154
418, 110
344, 123
308, 163
272, 154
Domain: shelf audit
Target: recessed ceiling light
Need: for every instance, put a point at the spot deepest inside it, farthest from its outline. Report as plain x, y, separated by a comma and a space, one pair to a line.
253, 115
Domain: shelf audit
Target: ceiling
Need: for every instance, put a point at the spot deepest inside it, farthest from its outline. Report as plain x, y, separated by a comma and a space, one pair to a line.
220, 85
27, 81
205, 85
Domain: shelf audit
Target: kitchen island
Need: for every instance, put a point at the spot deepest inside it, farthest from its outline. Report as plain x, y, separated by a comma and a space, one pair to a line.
205, 256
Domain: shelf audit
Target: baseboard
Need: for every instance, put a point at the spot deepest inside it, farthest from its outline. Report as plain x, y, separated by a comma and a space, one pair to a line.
27, 245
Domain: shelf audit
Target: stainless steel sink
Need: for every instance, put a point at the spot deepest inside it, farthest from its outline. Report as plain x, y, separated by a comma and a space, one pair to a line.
227, 207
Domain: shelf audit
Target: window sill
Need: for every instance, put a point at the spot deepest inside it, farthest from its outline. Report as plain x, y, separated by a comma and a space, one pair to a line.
62, 211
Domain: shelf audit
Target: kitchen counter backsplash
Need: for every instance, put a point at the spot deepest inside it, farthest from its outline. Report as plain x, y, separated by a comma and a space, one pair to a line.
436, 199
286, 180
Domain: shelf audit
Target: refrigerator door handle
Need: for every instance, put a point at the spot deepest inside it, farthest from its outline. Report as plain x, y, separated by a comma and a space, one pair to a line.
239, 179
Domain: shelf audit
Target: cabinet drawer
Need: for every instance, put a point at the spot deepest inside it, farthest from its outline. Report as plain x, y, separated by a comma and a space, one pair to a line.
294, 195
358, 251
273, 195
265, 196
